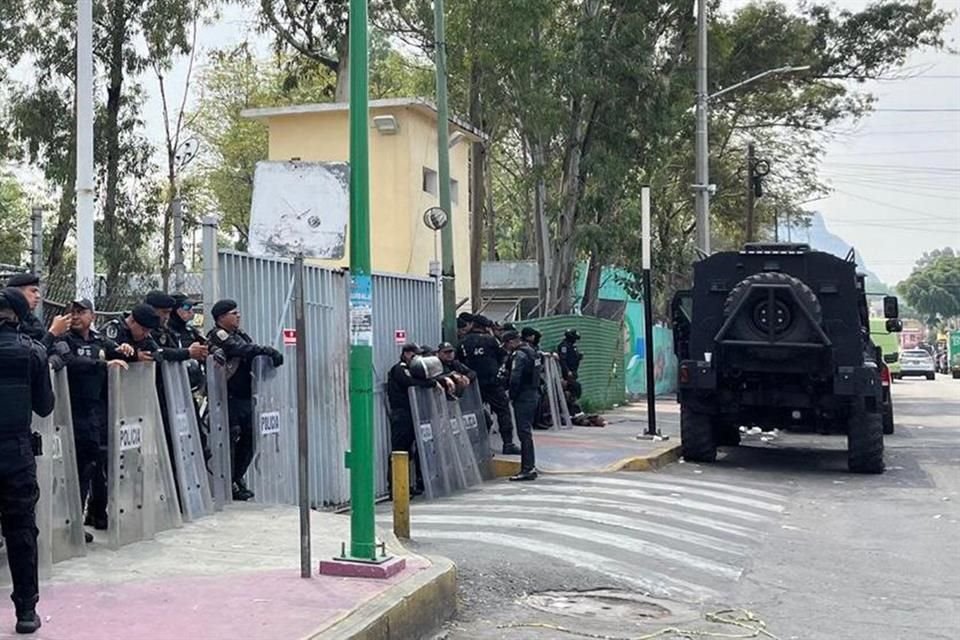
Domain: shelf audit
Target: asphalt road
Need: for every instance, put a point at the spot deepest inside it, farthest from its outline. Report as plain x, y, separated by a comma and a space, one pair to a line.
776, 530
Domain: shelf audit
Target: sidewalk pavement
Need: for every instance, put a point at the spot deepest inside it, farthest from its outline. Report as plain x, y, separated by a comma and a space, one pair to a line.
236, 576
603, 449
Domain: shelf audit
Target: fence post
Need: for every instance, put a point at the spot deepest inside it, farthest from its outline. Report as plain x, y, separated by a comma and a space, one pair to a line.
36, 248
210, 275
400, 475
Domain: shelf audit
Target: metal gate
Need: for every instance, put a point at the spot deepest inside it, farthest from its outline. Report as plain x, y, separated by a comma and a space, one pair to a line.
407, 306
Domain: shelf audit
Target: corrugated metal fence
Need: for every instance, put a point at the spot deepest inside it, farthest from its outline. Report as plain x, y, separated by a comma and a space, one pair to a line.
602, 345
263, 289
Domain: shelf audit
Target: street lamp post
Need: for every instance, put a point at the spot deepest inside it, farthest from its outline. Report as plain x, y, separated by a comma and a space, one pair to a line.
702, 187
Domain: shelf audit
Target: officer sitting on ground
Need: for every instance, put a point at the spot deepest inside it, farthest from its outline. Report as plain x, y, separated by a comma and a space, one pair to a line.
239, 351
524, 366
481, 352
29, 285
24, 390
86, 355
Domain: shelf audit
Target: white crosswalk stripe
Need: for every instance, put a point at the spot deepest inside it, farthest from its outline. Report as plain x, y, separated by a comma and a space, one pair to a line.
668, 536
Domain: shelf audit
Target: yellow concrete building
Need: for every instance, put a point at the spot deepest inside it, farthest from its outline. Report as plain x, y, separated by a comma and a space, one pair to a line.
403, 175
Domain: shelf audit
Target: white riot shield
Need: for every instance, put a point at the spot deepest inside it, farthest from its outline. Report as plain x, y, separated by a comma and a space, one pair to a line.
469, 472
426, 420
189, 466
559, 410
66, 529
273, 472
140, 499
44, 509
218, 419
474, 421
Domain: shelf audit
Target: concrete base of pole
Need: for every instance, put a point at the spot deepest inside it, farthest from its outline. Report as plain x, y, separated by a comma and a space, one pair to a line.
656, 437
380, 569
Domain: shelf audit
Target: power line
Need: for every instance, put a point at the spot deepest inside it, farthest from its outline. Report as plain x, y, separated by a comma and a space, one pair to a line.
918, 110
954, 150
893, 206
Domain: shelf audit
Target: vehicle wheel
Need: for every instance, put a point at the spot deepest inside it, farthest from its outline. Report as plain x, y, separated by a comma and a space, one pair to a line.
931, 376
791, 323
696, 436
865, 442
888, 419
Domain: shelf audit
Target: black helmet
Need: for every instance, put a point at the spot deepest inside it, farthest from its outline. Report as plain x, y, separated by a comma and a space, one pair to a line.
572, 334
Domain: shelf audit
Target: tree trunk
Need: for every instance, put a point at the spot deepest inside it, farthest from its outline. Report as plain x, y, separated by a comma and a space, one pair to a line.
112, 252
477, 196
591, 292
540, 227
168, 217
342, 93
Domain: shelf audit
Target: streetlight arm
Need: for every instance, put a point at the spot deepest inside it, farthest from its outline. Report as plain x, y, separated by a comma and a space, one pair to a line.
759, 76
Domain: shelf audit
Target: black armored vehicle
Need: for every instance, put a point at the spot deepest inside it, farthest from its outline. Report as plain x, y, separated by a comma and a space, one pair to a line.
777, 336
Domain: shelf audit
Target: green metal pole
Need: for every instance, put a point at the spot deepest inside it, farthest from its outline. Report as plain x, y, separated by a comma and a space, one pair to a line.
361, 456
443, 171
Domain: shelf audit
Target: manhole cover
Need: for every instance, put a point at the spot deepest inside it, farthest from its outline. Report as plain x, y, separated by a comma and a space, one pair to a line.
599, 603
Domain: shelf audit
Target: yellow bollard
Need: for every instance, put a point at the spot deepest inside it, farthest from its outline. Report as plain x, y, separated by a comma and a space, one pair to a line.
400, 470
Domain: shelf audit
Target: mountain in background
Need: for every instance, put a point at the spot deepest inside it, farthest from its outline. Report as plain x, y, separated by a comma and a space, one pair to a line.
819, 237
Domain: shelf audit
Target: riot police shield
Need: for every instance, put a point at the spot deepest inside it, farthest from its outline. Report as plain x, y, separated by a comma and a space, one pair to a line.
273, 472
189, 467
218, 422
140, 498
468, 470
426, 422
559, 411
474, 421
66, 528
44, 508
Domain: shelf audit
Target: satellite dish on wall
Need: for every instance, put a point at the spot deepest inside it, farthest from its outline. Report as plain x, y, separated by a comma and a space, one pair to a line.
435, 218
300, 207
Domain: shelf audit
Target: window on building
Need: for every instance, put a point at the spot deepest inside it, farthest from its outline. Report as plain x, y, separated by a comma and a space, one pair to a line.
454, 191
431, 181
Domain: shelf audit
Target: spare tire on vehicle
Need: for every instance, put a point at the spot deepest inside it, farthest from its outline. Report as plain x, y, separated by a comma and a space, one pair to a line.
790, 323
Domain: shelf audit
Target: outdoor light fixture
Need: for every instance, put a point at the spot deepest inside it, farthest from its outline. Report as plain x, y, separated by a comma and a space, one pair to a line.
387, 125
456, 139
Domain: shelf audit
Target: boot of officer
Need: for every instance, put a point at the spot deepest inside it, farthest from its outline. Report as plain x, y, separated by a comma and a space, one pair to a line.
24, 389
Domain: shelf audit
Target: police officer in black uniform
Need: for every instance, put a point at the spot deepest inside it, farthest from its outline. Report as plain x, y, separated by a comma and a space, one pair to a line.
134, 329
24, 390
239, 351
402, 435
185, 335
525, 365
570, 356
481, 352
87, 354
29, 285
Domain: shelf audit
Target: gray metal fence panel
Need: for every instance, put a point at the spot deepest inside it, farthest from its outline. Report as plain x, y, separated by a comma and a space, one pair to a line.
263, 289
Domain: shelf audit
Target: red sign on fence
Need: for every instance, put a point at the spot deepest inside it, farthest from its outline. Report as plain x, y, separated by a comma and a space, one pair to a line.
289, 337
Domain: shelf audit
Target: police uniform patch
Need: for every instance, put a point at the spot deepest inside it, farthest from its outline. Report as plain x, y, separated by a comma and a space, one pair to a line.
112, 331
103, 354
222, 334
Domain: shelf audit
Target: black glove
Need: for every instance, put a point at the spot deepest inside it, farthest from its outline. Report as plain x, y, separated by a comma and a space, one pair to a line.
56, 362
276, 357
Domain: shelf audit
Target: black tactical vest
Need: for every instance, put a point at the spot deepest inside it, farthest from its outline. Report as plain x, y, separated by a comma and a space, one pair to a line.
15, 388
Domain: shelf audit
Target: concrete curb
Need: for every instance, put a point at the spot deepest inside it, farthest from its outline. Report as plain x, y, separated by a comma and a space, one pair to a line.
503, 468
410, 610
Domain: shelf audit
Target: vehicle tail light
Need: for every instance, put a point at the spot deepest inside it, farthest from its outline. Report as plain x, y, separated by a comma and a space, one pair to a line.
885, 376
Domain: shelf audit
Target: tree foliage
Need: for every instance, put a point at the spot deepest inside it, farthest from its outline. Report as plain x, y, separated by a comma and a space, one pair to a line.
933, 288
14, 220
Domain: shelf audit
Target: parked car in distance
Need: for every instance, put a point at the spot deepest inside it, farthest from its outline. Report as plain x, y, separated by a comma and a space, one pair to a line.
917, 362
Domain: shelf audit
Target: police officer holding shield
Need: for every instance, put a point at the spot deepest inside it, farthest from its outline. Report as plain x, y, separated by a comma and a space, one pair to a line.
24, 390
87, 354
524, 369
481, 352
239, 351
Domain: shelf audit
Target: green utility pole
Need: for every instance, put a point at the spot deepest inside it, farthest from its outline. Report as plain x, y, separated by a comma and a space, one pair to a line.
361, 456
443, 171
